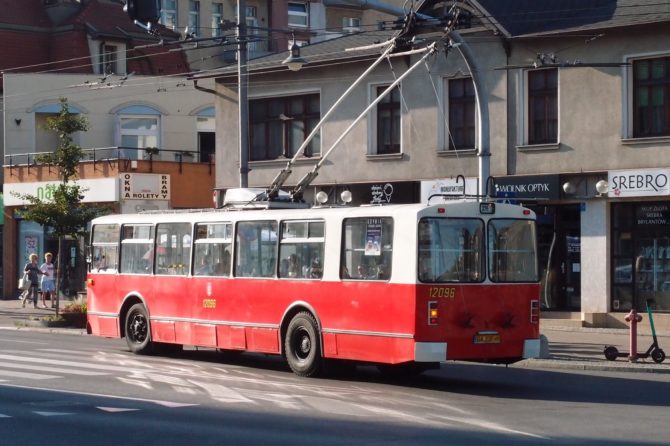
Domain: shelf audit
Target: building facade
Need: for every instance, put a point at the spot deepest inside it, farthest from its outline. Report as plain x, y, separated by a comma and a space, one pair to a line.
578, 131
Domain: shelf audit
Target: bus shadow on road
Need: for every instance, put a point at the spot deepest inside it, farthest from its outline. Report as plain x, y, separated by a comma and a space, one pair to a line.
471, 379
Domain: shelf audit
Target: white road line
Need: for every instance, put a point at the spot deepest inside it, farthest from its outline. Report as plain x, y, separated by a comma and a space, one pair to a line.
52, 414
38, 368
170, 404
27, 375
2, 415
115, 409
84, 365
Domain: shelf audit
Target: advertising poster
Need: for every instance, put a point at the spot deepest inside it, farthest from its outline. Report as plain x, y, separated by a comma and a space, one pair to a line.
373, 237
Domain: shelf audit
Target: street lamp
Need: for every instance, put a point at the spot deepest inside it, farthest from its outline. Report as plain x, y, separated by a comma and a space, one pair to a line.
294, 61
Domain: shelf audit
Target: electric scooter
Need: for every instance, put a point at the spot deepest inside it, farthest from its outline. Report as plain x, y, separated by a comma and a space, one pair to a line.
654, 351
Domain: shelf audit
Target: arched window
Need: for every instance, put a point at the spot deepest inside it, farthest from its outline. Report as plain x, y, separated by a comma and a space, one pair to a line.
138, 128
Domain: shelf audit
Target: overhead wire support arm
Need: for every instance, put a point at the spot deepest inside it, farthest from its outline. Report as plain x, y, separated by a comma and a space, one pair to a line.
283, 174
299, 189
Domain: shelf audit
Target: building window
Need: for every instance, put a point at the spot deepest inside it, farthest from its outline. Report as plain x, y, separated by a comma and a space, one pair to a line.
139, 128
651, 97
462, 114
108, 59
543, 106
279, 126
194, 17
217, 18
388, 122
351, 24
169, 13
298, 14
206, 127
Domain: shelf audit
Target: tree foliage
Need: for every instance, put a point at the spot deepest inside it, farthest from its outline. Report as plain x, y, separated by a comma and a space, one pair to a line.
62, 208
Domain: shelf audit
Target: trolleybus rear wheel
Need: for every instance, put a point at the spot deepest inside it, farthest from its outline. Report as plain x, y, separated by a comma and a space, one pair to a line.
302, 346
138, 330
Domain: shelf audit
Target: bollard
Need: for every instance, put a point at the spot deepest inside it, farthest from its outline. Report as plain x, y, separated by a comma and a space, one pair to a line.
633, 318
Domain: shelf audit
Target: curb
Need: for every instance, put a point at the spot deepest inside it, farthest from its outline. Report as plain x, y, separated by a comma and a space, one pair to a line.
609, 366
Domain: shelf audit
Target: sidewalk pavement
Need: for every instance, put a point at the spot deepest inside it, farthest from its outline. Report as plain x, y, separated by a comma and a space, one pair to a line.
570, 348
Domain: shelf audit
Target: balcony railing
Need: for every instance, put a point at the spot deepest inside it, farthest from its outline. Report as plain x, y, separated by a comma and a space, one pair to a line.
112, 154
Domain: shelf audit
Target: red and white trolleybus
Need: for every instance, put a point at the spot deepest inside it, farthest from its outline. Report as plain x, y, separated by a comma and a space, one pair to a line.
393, 285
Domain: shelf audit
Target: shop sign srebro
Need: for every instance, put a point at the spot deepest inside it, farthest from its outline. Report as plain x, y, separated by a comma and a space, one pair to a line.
638, 183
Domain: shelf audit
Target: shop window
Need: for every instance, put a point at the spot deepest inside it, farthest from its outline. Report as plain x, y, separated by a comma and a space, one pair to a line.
367, 248
651, 97
278, 126
543, 106
462, 114
640, 256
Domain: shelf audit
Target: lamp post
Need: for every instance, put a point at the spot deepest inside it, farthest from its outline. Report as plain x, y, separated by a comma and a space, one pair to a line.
243, 88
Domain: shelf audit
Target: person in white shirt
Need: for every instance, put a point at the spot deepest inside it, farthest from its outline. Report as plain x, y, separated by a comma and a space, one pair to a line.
48, 280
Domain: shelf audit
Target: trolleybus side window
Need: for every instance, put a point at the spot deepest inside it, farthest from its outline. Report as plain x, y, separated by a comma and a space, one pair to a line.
367, 245
256, 249
451, 250
137, 253
173, 248
105, 244
512, 251
213, 247
301, 249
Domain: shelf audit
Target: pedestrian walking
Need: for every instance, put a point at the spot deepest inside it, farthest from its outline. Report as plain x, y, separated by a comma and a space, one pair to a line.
48, 280
33, 272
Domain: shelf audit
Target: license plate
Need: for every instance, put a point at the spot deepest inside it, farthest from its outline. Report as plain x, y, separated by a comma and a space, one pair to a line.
487, 338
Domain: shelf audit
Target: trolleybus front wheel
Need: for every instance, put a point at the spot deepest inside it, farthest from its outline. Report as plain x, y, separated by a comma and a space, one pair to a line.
138, 331
302, 346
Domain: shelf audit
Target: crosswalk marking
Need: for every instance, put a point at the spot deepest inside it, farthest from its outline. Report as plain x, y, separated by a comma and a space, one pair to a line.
2, 415
52, 414
86, 365
28, 375
37, 368
116, 409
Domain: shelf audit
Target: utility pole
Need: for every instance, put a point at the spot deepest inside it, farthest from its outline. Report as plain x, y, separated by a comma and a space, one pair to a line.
243, 89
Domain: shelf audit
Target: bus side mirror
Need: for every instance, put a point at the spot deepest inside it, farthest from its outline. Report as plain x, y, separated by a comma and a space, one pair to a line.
147, 11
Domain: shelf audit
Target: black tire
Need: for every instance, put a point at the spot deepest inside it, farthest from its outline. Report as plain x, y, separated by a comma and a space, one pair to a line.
138, 330
611, 353
302, 345
658, 355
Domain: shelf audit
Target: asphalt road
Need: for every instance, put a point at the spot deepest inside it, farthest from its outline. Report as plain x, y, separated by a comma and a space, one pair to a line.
63, 389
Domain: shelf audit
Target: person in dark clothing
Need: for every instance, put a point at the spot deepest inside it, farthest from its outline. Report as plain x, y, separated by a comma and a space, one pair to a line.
34, 272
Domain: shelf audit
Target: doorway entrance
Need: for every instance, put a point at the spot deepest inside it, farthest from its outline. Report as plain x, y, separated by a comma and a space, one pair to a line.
559, 249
